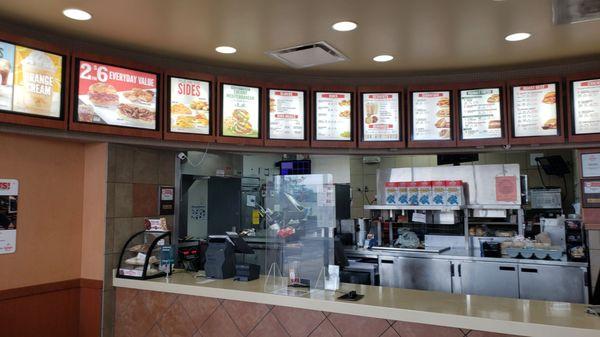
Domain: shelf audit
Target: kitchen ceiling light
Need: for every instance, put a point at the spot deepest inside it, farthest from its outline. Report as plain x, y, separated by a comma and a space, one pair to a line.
225, 50
517, 37
344, 26
77, 14
383, 58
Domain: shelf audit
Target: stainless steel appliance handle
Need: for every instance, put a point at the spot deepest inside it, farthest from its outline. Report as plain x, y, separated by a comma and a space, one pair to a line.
529, 270
505, 268
387, 261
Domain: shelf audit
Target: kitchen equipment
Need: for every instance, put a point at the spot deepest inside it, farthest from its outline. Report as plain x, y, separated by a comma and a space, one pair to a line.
545, 198
491, 249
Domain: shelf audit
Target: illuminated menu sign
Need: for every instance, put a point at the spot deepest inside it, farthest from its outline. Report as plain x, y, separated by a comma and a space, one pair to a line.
286, 114
431, 115
534, 110
116, 96
586, 106
480, 113
241, 111
333, 116
381, 117
189, 106
30, 81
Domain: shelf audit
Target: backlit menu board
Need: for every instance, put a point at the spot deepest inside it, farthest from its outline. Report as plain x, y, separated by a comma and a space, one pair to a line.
286, 114
189, 106
116, 96
30, 81
586, 106
381, 116
241, 111
431, 115
333, 114
480, 113
534, 110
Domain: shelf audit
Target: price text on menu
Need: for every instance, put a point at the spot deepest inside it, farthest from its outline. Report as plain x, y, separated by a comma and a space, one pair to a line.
534, 110
586, 106
431, 115
286, 114
333, 116
381, 116
480, 113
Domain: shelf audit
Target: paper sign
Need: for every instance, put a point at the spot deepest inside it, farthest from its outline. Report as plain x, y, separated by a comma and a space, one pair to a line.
506, 188
590, 165
419, 217
9, 195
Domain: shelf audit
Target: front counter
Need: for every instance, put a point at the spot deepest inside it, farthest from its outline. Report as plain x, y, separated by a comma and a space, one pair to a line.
186, 306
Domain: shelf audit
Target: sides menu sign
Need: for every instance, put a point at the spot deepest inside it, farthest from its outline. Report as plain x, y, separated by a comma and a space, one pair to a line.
9, 196
333, 113
586, 106
480, 113
241, 111
381, 116
431, 115
534, 110
189, 106
286, 114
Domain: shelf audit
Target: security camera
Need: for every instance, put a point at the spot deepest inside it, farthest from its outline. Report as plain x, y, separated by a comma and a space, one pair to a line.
181, 156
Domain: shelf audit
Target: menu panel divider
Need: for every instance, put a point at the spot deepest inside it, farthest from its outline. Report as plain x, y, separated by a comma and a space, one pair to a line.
307, 115
15, 117
353, 117
238, 81
452, 105
560, 116
481, 142
76, 125
212, 112
362, 143
572, 136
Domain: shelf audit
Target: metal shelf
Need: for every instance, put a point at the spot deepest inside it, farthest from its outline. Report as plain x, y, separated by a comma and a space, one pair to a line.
499, 206
413, 208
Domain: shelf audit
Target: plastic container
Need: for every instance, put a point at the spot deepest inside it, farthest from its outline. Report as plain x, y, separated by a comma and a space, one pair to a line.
424, 190
391, 193
454, 193
413, 193
438, 192
402, 194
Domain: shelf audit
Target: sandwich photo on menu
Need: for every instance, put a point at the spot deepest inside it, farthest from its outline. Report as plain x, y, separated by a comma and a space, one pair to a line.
240, 111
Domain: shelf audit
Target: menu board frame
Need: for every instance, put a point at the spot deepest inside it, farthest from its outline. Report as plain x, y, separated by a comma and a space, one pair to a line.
560, 137
333, 143
400, 143
503, 140
15, 117
74, 124
307, 113
261, 109
453, 128
573, 137
172, 135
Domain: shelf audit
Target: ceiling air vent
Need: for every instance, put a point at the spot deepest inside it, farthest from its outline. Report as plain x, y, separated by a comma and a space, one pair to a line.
308, 55
574, 11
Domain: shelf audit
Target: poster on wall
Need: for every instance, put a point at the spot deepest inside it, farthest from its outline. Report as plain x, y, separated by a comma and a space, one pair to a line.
7, 68
241, 111
189, 106
9, 197
480, 113
333, 116
381, 116
116, 96
535, 110
286, 114
431, 115
586, 106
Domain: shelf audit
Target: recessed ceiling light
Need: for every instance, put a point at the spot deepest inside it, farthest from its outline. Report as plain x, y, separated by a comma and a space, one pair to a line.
517, 37
77, 14
344, 26
383, 58
225, 50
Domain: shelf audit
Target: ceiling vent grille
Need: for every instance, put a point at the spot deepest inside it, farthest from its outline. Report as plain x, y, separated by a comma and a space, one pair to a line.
308, 55
575, 11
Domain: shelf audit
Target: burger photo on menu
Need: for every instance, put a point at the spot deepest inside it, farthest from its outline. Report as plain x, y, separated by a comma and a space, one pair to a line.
189, 107
116, 96
240, 111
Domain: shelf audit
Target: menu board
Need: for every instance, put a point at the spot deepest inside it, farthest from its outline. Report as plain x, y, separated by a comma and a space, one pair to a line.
30, 81
534, 110
333, 113
241, 111
286, 114
480, 113
586, 106
189, 106
381, 116
116, 96
431, 115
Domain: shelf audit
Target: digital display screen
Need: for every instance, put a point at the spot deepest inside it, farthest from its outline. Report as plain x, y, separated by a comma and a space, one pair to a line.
241, 111
189, 106
381, 116
333, 115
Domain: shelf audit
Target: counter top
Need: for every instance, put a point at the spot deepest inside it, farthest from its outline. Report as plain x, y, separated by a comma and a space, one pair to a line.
501, 315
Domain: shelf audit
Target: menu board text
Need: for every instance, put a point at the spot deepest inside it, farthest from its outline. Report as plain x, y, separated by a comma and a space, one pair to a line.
381, 117
480, 113
333, 113
586, 106
534, 110
286, 114
431, 115
189, 106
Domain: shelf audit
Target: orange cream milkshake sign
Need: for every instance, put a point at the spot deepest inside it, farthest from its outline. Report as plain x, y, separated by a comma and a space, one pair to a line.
38, 82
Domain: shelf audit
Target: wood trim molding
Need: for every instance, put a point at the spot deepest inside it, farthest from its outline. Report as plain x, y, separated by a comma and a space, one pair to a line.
49, 287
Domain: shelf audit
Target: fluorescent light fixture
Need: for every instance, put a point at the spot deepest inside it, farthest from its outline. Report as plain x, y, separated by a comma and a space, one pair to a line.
344, 26
383, 58
77, 14
225, 50
517, 37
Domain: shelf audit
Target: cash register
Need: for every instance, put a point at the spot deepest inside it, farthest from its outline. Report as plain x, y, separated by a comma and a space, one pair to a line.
221, 262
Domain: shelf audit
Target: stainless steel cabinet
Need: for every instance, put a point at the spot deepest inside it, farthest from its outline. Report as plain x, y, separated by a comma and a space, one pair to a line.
416, 273
488, 278
552, 283
387, 277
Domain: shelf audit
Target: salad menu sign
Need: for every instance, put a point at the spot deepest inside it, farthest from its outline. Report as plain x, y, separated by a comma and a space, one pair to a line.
586, 106
241, 111
480, 113
30, 81
431, 115
381, 117
535, 110
189, 106
116, 96
286, 114
333, 113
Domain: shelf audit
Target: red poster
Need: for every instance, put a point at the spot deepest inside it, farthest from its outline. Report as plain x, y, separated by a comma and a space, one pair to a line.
506, 188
